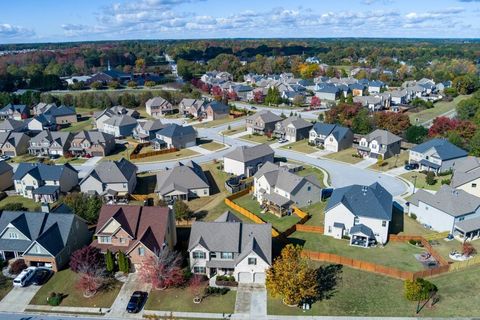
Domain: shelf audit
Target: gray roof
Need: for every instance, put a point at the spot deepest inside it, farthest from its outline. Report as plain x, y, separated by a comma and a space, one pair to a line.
117, 110
298, 123
237, 237
118, 121
266, 116
465, 170
119, 171
62, 138
5, 167
451, 201
174, 130
444, 148
228, 216
151, 125
11, 125
468, 225
246, 154
181, 177
41, 171
363, 201
362, 229
334, 129
218, 107
95, 137
157, 102
14, 138
383, 137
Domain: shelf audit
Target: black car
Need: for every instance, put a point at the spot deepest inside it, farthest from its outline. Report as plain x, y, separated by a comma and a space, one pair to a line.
411, 166
41, 276
137, 300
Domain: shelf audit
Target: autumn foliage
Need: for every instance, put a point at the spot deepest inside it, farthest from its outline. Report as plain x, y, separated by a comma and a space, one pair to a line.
163, 269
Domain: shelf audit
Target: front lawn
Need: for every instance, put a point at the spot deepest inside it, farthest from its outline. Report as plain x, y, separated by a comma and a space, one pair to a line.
300, 146
26, 203
345, 156
215, 123
391, 163
233, 131
212, 146
5, 286
120, 151
307, 171
397, 255
256, 138
182, 153
84, 124
24, 158
65, 282
421, 183
181, 300
72, 161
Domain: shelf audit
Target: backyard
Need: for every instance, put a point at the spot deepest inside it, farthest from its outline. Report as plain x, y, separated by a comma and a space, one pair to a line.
301, 146
65, 282
421, 183
26, 203
345, 156
316, 212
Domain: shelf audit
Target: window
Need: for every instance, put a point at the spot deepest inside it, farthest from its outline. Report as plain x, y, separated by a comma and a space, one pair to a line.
205, 192
252, 261
474, 185
13, 235
213, 255
37, 249
309, 188
384, 223
226, 255
141, 251
356, 220
122, 240
104, 239
199, 270
461, 218
198, 255
329, 229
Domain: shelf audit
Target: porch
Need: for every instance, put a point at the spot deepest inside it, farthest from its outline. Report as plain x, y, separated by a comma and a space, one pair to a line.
362, 236
46, 194
276, 204
429, 166
467, 229
158, 144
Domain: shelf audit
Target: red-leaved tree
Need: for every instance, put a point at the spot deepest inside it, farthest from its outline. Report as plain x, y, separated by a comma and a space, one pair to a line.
216, 91
232, 95
441, 126
258, 96
87, 256
91, 279
163, 269
315, 102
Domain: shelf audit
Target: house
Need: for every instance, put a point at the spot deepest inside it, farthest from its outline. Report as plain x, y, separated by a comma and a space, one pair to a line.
102, 116
441, 86
399, 97
92, 143
6, 176
327, 92
191, 107
42, 182
147, 130
138, 231
357, 89
110, 179
277, 189
373, 103
110, 75
214, 110
362, 213
175, 136
293, 129
375, 86
455, 211
50, 143
42, 238
158, 107
262, 122
379, 144
119, 126
331, 137
246, 161
14, 111
13, 144
61, 115
466, 175
436, 155
228, 246
240, 90
40, 123
9, 125
183, 181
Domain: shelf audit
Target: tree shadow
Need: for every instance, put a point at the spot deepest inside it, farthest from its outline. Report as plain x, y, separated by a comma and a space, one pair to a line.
397, 224
199, 215
328, 277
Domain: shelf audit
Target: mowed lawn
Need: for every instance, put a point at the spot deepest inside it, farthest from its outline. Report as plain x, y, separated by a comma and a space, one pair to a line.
258, 138
65, 282
300, 146
215, 123
316, 212
439, 108
360, 293
212, 146
420, 180
26, 203
83, 124
391, 163
233, 131
181, 299
397, 255
308, 170
345, 156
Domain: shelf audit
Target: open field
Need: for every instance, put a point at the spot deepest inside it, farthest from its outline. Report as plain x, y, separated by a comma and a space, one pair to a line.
345, 156
300, 146
439, 108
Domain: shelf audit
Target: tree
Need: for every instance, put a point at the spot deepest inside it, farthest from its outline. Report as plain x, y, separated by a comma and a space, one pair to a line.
466, 84
350, 98
299, 100
14, 206
468, 249
430, 178
96, 85
84, 205
291, 278
92, 279
109, 261
140, 65
416, 134
113, 84
315, 102
132, 84
182, 211
475, 144
273, 96
396, 123
86, 256
361, 124
419, 289
150, 84
217, 91
441, 125
258, 96
163, 269
123, 262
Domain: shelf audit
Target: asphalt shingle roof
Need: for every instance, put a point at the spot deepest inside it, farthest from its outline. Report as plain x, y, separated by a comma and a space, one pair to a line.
246, 154
181, 177
444, 148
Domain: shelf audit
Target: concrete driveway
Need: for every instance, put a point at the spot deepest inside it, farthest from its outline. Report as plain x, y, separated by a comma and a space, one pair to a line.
18, 299
251, 302
132, 284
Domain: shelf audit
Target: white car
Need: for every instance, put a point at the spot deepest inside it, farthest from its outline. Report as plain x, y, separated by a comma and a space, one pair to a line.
22, 279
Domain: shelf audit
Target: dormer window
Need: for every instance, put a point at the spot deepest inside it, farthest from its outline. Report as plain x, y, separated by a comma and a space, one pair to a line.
13, 235
198, 255
252, 261
356, 221
104, 239
141, 251
226, 255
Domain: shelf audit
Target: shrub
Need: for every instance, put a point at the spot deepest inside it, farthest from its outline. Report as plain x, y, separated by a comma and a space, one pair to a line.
430, 178
445, 173
418, 290
55, 298
214, 291
413, 216
18, 266
468, 249
14, 206
446, 181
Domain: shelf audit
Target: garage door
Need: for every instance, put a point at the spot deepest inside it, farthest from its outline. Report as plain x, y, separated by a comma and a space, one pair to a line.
245, 277
259, 277
97, 154
9, 153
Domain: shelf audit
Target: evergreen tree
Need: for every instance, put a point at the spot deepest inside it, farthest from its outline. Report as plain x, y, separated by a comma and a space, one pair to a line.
109, 261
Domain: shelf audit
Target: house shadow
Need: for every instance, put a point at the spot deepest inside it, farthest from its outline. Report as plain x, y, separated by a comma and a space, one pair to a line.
199, 215
146, 184
201, 141
211, 181
397, 224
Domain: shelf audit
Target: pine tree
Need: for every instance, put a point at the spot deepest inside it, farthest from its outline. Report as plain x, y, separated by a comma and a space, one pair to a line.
123, 263
109, 261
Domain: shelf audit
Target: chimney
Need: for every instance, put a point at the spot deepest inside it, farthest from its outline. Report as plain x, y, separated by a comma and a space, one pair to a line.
45, 207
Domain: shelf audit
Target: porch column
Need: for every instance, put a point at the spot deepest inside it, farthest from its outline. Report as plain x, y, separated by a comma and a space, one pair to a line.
366, 242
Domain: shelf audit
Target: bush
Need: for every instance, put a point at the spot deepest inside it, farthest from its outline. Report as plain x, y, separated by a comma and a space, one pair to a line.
225, 278
18, 266
446, 181
430, 178
418, 290
55, 298
414, 242
14, 206
413, 216
445, 173
213, 291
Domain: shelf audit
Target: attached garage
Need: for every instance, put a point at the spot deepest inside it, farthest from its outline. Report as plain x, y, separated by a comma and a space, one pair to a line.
10, 153
245, 277
259, 277
97, 154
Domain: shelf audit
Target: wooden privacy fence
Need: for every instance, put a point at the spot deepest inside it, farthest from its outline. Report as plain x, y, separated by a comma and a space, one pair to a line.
460, 265
436, 236
441, 260
140, 197
151, 153
313, 229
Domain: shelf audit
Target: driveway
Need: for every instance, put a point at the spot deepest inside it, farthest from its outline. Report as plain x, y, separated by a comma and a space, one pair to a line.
251, 302
18, 298
132, 284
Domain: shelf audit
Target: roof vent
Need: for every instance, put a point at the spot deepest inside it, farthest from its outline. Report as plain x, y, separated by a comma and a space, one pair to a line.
364, 190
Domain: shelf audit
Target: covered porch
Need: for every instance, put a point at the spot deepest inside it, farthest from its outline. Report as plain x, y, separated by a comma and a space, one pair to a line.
429, 166
220, 267
46, 194
362, 236
115, 196
276, 204
467, 229
158, 144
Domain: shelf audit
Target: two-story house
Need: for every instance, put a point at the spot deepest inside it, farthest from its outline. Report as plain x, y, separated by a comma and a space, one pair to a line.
102, 116
92, 143
138, 231
175, 136
14, 111
466, 175
42, 182
119, 126
246, 161
331, 137
110, 179
293, 129
9, 125
379, 144
214, 110
42, 238
158, 107
436, 155
262, 122
50, 143
362, 213
191, 107
13, 144
147, 130
229, 246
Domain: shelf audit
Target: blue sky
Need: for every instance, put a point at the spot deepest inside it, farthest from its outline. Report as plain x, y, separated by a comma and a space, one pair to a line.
69, 20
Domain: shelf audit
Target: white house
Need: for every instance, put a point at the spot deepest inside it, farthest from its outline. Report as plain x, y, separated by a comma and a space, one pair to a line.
362, 213
246, 160
466, 175
331, 137
379, 144
436, 155
229, 246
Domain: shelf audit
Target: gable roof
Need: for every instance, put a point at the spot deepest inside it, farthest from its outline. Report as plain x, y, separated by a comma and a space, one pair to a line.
157, 102
119, 171
22, 108
174, 130
5, 167
444, 148
327, 129
383, 137
41, 171
466, 169
62, 138
363, 201
296, 122
246, 154
218, 107
266, 116
181, 177
151, 125
11, 125
120, 120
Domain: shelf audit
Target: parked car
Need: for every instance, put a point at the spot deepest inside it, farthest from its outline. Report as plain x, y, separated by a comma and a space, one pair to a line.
137, 300
282, 140
411, 166
253, 108
41, 276
24, 277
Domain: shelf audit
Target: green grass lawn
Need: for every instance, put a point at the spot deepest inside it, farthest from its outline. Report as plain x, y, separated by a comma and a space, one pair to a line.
317, 213
121, 151
391, 163
212, 146
5, 286
27, 203
312, 171
64, 282
395, 254
445, 247
301, 146
258, 138
345, 156
63, 160
24, 158
182, 153
215, 123
181, 299
360, 293
234, 131
439, 108
86, 124
421, 183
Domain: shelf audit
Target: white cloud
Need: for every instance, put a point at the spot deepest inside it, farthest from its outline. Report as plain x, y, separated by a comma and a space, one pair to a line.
12, 31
